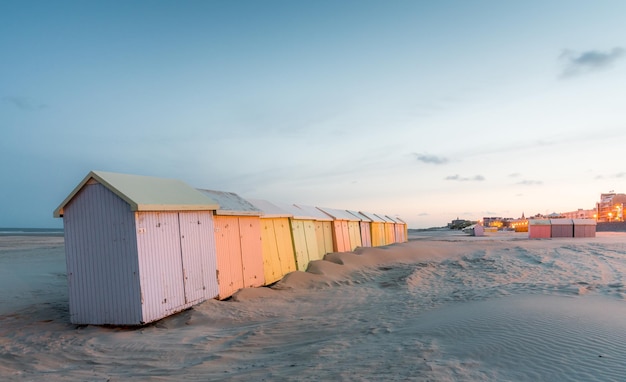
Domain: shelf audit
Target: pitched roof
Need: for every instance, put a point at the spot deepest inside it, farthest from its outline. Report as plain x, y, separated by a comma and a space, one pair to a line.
146, 193
339, 214
269, 209
231, 203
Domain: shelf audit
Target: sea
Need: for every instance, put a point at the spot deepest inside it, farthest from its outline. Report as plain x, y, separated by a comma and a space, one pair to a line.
31, 231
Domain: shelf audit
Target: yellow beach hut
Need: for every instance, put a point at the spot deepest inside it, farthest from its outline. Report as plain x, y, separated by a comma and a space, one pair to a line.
276, 241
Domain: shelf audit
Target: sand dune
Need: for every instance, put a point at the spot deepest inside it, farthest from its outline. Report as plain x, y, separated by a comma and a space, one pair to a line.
443, 307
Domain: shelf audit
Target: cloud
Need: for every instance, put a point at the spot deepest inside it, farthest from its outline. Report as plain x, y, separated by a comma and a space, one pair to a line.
514, 175
476, 178
432, 159
618, 175
424, 214
24, 103
530, 182
591, 60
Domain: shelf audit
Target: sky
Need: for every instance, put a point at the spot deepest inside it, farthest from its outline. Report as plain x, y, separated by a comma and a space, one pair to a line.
426, 110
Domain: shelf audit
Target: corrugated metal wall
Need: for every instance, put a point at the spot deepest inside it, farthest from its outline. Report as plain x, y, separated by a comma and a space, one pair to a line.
160, 264
199, 256
101, 256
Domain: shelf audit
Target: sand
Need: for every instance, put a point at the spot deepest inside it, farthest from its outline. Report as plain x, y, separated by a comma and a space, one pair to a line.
443, 307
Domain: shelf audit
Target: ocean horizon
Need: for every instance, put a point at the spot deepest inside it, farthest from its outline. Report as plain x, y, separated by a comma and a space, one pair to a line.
31, 231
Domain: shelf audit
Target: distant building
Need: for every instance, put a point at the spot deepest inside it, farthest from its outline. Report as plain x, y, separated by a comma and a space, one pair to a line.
580, 214
611, 207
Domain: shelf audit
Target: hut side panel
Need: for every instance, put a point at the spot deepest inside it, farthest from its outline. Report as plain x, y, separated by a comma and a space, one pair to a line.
539, 229
229, 261
341, 239
160, 263
366, 236
562, 228
250, 234
584, 228
271, 252
285, 246
102, 267
324, 232
354, 231
199, 263
378, 234
298, 231
316, 240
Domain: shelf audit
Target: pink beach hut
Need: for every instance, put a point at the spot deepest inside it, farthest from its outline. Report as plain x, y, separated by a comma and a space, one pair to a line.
137, 248
399, 229
539, 229
562, 227
584, 228
237, 242
346, 231
365, 228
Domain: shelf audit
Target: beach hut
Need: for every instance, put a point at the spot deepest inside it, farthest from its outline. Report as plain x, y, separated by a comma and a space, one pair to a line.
237, 243
304, 238
474, 230
365, 226
405, 228
377, 229
390, 229
399, 229
584, 227
346, 232
323, 229
562, 227
539, 229
137, 248
277, 244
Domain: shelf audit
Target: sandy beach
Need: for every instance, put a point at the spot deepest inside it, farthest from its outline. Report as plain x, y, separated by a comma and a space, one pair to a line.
442, 307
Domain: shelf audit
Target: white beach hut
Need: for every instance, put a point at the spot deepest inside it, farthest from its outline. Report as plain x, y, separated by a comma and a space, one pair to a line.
138, 248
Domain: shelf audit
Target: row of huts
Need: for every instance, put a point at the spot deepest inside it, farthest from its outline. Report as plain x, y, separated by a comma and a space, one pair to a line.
548, 228
141, 248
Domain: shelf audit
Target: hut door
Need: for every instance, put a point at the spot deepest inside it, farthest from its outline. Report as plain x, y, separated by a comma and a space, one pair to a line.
192, 231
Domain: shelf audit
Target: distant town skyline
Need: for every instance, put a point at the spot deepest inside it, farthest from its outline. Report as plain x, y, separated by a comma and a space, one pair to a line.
424, 110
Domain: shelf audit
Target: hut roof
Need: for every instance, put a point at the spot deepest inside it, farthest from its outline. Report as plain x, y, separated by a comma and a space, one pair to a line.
385, 218
359, 216
584, 222
538, 221
146, 193
315, 213
231, 203
561, 221
372, 217
270, 210
338, 214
